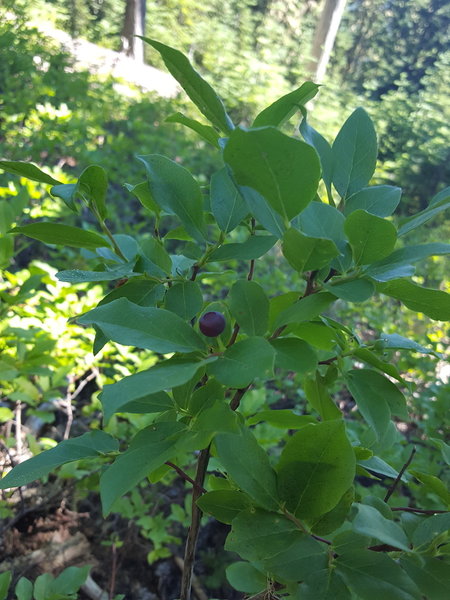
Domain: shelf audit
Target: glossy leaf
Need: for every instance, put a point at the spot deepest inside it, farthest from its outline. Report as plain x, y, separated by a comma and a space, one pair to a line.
245, 578
67, 193
438, 204
379, 200
92, 185
249, 305
324, 585
206, 132
144, 195
431, 575
293, 354
87, 445
396, 341
316, 468
369, 521
62, 235
433, 303
399, 263
174, 189
254, 246
78, 276
321, 220
198, 90
27, 170
262, 211
285, 107
146, 327
242, 362
371, 575
248, 465
223, 505
284, 170
306, 253
149, 449
430, 528
356, 290
142, 385
319, 398
298, 560
137, 291
227, 203
305, 309
433, 484
184, 299
333, 519
323, 149
354, 154
370, 237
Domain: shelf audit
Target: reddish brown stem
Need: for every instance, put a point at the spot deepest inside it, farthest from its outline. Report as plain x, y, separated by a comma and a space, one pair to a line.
184, 475
391, 490
233, 335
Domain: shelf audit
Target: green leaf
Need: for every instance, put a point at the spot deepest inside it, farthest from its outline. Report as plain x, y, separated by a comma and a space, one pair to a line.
245, 578
143, 385
379, 200
154, 251
316, 467
71, 579
249, 305
434, 485
430, 528
433, 303
293, 354
5, 580
333, 519
284, 170
223, 505
67, 193
142, 192
86, 446
248, 465
92, 185
23, 589
437, 205
356, 290
77, 276
43, 587
317, 334
206, 132
399, 263
354, 154
138, 291
370, 237
174, 189
62, 235
369, 521
146, 327
285, 419
149, 449
298, 560
396, 341
373, 394
372, 359
432, 576
184, 299
324, 585
28, 171
227, 204
263, 212
321, 220
379, 466
319, 398
305, 309
278, 113
373, 575
323, 149
244, 361
257, 535
198, 90
306, 253
254, 247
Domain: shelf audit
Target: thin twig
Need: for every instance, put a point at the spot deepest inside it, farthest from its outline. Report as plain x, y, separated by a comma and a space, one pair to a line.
191, 542
19, 427
184, 475
71, 396
236, 400
391, 490
196, 587
233, 335
421, 511
251, 271
112, 585
195, 270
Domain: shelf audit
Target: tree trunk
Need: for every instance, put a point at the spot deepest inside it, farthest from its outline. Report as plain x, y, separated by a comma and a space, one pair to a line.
324, 37
133, 25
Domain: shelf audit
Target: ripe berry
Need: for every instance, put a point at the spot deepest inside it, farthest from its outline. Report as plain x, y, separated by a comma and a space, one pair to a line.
212, 324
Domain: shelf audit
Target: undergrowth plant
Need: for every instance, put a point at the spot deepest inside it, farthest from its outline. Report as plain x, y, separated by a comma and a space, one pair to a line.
303, 527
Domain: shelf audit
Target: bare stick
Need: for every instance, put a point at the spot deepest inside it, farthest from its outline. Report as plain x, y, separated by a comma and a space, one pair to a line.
391, 490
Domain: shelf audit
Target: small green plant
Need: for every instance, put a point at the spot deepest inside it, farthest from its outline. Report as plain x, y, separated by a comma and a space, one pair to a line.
63, 587
300, 521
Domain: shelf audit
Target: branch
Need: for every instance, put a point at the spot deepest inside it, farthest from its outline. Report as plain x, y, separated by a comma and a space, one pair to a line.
391, 490
421, 511
184, 475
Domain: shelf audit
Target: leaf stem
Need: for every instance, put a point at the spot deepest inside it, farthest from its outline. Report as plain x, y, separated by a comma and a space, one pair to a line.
391, 490
184, 475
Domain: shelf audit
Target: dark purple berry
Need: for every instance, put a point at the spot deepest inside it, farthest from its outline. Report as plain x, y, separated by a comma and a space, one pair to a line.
212, 324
